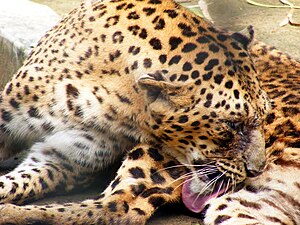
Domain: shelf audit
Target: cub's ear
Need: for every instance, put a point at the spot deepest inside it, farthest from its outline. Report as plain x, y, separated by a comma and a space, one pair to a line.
245, 37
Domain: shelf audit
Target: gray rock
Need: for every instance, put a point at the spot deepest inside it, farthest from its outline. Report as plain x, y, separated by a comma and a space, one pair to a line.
22, 23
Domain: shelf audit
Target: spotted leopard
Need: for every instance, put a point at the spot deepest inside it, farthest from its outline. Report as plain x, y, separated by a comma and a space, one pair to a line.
178, 98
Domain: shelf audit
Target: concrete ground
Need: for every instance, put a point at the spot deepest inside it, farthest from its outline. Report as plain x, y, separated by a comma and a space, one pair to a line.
238, 14
234, 15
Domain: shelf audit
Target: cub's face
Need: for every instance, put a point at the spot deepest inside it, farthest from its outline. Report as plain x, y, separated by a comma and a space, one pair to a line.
212, 124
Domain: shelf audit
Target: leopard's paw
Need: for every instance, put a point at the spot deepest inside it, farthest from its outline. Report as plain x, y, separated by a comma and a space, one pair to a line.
88, 212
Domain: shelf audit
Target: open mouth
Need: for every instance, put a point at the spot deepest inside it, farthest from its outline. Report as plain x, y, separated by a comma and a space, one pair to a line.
214, 185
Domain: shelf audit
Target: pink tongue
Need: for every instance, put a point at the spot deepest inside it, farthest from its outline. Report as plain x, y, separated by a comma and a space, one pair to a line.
194, 201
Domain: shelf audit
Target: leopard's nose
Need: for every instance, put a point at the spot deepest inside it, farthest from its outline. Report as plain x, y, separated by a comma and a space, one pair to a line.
253, 173
255, 154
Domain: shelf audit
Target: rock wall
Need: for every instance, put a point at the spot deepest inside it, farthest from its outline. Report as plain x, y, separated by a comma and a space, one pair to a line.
22, 23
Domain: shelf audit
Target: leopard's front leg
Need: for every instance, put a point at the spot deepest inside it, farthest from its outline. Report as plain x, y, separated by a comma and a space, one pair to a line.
52, 166
147, 179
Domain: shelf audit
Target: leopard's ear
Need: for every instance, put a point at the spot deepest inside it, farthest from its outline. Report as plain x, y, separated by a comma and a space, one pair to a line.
160, 92
245, 37
155, 86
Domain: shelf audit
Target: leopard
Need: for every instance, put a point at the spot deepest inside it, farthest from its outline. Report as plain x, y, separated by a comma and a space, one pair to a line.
193, 113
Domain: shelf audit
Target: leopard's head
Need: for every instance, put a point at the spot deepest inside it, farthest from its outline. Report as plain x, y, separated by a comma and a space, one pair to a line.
210, 116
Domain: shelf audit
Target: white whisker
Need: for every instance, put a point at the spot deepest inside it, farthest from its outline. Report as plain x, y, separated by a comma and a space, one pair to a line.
184, 182
212, 181
202, 165
190, 174
209, 184
199, 173
227, 186
203, 171
233, 183
188, 165
220, 187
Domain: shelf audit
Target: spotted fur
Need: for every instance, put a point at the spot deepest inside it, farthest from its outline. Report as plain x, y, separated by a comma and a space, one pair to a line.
179, 98
273, 197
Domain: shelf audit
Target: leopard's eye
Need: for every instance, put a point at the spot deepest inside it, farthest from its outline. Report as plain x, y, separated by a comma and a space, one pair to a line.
238, 127
233, 125
226, 139
256, 121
